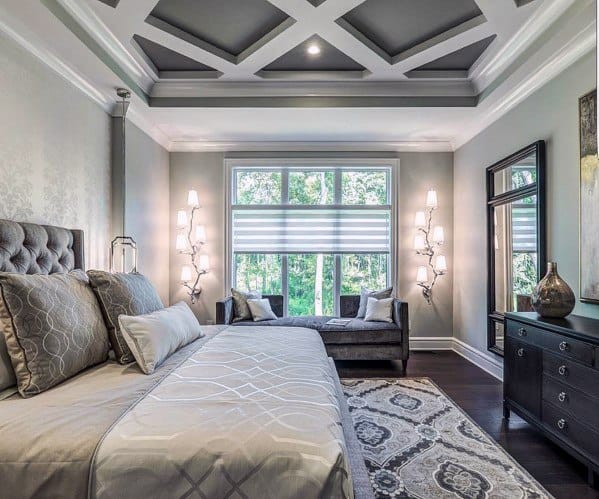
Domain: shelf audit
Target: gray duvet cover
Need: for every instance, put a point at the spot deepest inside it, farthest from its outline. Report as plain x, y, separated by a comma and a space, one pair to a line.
245, 412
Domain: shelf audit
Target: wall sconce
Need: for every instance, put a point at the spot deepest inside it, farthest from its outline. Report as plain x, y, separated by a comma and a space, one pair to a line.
427, 242
190, 241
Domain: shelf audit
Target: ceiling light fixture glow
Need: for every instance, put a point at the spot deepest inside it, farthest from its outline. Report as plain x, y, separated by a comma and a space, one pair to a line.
313, 49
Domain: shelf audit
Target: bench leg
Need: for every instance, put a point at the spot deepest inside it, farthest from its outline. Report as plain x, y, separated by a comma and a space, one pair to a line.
592, 480
404, 365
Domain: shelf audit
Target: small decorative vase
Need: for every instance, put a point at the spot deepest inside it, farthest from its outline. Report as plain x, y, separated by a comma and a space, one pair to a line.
553, 297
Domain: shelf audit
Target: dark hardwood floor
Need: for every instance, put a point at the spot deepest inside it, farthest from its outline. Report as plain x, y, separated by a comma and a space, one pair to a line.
480, 395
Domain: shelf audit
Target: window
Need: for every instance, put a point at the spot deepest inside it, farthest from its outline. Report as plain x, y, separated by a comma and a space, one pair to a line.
310, 231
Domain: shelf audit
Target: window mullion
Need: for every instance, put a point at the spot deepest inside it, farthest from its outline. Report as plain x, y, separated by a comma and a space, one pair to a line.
284, 257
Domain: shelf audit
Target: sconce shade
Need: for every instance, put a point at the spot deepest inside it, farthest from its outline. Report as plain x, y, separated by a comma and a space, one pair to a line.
438, 234
181, 219
431, 199
420, 219
192, 198
441, 264
186, 273
200, 234
181, 243
419, 243
204, 263
422, 274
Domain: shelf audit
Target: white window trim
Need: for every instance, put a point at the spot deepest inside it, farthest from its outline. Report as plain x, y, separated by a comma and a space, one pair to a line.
316, 164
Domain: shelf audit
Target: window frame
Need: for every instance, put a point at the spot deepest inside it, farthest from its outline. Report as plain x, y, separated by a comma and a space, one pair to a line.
284, 165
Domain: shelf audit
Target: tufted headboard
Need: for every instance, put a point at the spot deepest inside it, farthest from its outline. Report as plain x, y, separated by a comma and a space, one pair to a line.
28, 248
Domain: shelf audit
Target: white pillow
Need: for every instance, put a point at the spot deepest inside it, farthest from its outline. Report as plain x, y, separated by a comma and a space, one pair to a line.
379, 310
260, 309
153, 337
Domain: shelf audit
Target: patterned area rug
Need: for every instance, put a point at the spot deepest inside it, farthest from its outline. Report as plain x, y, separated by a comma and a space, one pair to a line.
417, 443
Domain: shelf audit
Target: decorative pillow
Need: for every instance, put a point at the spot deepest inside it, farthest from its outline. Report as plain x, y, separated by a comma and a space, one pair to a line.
53, 328
123, 294
241, 311
379, 310
365, 293
154, 337
261, 310
7, 373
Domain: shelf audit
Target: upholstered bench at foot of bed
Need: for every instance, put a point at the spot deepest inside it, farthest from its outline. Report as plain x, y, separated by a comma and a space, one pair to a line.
358, 340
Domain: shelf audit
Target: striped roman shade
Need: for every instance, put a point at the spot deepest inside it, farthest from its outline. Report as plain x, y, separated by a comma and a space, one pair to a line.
311, 229
524, 227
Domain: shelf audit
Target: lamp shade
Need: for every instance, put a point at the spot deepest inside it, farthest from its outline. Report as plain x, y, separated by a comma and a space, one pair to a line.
422, 274
419, 243
200, 234
186, 273
181, 243
438, 234
204, 263
440, 263
431, 199
192, 198
181, 219
420, 219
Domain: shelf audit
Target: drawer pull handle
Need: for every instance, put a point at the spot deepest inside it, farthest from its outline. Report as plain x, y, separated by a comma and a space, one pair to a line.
520, 352
562, 397
561, 424
563, 370
564, 347
522, 332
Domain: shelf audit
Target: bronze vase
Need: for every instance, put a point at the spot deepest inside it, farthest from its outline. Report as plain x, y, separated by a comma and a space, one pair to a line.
553, 297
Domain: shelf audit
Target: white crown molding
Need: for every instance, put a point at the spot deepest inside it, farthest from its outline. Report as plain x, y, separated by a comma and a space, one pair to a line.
300, 146
141, 121
575, 36
33, 44
486, 361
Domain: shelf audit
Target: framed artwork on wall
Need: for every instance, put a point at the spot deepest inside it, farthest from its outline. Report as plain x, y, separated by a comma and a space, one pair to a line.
589, 199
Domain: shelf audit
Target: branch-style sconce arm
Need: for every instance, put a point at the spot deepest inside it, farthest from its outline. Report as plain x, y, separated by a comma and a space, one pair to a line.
427, 242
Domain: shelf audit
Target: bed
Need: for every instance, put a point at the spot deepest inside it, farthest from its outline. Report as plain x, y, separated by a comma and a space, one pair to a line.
240, 412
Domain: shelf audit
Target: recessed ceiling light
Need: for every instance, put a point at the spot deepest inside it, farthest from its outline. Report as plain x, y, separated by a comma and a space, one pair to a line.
313, 49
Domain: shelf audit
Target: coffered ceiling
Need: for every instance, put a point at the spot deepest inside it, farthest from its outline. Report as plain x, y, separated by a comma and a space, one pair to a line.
418, 73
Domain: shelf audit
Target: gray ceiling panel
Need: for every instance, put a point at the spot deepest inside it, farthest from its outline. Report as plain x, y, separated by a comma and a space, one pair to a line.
398, 25
230, 25
462, 59
316, 3
112, 3
166, 59
329, 59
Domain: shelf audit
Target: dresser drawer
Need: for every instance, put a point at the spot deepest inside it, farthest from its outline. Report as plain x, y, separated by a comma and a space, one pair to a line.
572, 401
524, 332
572, 431
573, 349
572, 374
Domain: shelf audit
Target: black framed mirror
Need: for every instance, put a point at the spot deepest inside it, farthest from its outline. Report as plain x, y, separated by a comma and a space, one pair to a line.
516, 236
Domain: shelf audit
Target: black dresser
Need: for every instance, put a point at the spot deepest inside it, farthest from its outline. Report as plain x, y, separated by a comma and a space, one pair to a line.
551, 379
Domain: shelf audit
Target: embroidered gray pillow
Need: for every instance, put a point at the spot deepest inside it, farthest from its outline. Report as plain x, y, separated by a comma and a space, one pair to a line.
241, 310
7, 373
261, 310
126, 294
365, 293
53, 328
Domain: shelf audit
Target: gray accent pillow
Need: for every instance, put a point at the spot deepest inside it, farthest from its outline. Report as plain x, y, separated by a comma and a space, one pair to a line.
365, 293
53, 328
123, 294
379, 310
241, 310
260, 309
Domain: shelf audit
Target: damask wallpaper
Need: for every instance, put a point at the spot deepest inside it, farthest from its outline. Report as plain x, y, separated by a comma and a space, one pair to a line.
55, 152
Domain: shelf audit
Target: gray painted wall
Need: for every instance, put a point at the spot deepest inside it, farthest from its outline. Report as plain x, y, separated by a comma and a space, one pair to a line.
55, 152
418, 172
550, 114
147, 206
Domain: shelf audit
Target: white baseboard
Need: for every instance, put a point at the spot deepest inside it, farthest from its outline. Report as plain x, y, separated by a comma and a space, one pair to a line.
431, 343
486, 361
